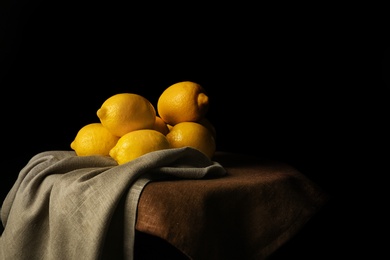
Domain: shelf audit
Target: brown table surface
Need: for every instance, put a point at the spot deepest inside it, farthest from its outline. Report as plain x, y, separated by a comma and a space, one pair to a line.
247, 214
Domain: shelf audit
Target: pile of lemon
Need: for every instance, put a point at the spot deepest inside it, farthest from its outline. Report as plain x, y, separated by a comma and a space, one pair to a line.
130, 126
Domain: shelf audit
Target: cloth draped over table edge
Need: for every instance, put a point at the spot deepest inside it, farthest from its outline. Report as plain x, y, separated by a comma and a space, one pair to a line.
61, 204
47, 213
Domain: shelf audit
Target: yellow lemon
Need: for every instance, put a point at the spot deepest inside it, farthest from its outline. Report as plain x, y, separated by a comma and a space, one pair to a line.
192, 134
181, 102
126, 112
93, 139
205, 122
137, 143
161, 126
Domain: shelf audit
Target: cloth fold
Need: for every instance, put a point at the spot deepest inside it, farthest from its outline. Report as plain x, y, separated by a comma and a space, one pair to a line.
61, 205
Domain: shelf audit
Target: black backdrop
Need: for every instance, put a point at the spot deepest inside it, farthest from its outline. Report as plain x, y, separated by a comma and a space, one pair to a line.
275, 78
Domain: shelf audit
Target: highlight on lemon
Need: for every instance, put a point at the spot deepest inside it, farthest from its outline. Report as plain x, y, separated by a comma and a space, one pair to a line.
93, 139
137, 143
126, 112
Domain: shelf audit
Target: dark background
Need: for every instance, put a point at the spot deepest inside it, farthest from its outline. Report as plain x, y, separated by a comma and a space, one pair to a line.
278, 79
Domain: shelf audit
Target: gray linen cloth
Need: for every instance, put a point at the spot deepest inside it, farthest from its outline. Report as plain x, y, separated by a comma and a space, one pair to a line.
61, 205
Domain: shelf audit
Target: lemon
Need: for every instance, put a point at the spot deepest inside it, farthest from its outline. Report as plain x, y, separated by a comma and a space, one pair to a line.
137, 143
185, 101
93, 139
205, 122
161, 126
192, 134
126, 112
